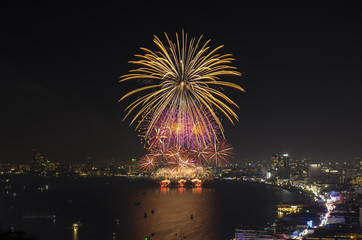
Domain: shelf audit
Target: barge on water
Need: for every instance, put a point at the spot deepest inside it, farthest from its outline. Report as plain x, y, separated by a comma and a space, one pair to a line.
182, 183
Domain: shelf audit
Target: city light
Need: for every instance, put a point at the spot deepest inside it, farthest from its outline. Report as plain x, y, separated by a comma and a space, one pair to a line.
132, 120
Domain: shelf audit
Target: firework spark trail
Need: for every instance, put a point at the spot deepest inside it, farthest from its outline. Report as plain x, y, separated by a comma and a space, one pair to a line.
200, 154
168, 132
147, 163
185, 74
177, 116
220, 152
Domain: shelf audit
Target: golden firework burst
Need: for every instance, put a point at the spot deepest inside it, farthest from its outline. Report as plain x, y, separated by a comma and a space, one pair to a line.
185, 74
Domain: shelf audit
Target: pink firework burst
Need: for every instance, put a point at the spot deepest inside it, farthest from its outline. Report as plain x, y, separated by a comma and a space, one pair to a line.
147, 163
176, 155
220, 152
173, 129
200, 154
185, 162
157, 139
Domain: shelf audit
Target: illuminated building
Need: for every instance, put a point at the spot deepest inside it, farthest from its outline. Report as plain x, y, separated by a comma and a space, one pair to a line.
336, 220
357, 181
24, 168
286, 209
314, 172
347, 196
37, 161
242, 234
290, 208
280, 165
39, 164
360, 216
51, 166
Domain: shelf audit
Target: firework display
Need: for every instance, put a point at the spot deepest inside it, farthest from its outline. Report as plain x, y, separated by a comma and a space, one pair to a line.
172, 130
177, 115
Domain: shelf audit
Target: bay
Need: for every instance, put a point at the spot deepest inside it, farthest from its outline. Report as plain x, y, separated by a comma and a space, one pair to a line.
121, 208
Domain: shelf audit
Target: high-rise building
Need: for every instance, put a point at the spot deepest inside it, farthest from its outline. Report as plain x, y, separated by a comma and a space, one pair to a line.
356, 160
280, 165
314, 170
37, 161
360, 164
279, 160
360, 216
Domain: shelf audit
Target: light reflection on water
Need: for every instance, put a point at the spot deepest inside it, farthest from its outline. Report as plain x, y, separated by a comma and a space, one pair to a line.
178, 213
198, 190
75, 233
113, 208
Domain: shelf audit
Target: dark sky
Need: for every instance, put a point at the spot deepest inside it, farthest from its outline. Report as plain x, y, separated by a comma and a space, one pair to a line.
301, 63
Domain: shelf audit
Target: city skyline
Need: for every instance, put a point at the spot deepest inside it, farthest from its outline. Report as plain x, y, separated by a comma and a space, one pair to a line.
299, 61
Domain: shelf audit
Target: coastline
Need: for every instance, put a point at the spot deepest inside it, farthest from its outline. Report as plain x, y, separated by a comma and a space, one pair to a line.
127, 199
293, 189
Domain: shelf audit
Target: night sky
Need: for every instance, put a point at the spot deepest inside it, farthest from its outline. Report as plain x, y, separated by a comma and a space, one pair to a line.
301, 63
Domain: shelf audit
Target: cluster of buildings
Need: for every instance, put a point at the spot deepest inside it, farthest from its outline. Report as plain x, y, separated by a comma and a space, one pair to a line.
281, 168
39, 165
335, 188
334, 215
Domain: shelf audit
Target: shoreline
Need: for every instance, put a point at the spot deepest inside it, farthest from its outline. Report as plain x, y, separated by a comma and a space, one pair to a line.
290, 189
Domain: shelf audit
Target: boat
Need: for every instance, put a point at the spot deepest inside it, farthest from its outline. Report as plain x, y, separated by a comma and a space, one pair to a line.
39, 215
165, 183
197, 182
181, 183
